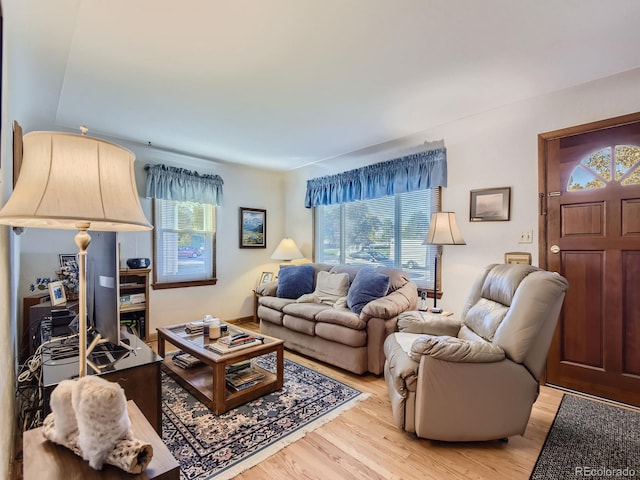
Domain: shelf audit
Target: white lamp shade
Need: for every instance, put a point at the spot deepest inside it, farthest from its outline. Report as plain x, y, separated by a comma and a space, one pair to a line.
67, 178
287, 250
444, 230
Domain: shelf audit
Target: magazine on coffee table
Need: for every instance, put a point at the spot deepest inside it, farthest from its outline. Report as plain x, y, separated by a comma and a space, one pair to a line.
244, 378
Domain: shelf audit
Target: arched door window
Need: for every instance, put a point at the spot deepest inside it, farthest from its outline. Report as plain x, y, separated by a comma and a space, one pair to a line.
595, 171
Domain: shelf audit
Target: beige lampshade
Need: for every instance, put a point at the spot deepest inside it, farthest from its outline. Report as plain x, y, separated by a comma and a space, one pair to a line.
66, 179
444, 230
287, 250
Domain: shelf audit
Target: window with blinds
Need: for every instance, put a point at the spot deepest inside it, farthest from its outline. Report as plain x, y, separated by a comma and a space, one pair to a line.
184, 243
386, 231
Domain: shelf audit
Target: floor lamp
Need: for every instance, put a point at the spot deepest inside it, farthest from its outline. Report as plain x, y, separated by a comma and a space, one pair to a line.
75, 182
443, 230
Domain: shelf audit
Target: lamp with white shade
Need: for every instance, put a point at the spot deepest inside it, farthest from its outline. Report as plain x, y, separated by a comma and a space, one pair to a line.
443, 230
287, 250
75, 182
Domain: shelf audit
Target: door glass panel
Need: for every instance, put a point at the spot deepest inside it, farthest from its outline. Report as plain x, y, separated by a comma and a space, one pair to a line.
600, 162
582, 179
627, 158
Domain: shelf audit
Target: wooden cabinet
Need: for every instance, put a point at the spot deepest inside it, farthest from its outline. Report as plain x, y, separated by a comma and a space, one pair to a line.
134, 300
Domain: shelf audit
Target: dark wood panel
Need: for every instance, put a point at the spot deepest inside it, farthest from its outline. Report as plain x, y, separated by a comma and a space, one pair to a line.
583, 309
585, 219
631, 313
631, 217
142, 385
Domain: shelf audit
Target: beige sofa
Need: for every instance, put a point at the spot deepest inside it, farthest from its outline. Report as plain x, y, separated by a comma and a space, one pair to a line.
330, 331
475, 378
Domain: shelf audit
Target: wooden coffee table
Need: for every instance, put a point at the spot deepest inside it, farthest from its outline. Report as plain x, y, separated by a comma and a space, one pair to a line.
207, 381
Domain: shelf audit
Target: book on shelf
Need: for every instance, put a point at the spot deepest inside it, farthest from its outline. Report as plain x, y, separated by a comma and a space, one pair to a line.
244, 378
221, 348
132, 299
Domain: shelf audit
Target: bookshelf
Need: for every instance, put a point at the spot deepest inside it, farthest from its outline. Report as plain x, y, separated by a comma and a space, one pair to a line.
134, 300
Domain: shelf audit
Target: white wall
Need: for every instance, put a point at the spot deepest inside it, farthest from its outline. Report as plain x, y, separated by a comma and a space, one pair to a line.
493, 149
237, 269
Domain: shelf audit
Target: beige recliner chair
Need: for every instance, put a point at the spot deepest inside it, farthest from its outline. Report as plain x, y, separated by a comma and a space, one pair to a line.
475, 378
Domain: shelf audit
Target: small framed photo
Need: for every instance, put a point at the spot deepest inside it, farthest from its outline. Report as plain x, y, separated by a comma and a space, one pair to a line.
253, 228
490, 205
266, 277
67, 259
518, 257
56, 292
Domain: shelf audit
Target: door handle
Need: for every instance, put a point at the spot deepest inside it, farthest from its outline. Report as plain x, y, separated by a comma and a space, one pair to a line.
555, 249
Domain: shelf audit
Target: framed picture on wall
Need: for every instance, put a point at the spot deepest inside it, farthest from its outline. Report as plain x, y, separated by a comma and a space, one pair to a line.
490, 204
67, 259
253, 228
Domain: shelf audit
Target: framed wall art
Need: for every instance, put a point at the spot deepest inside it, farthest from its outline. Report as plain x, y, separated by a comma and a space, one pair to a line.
67, 259
490, 205
253, 228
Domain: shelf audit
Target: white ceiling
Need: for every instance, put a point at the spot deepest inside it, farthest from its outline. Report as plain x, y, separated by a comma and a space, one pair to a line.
284, 83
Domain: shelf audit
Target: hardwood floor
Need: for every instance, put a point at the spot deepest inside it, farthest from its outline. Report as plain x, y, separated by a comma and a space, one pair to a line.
363, 443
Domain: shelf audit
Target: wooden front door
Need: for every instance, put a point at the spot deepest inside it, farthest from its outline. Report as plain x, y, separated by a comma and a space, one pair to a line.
590, 233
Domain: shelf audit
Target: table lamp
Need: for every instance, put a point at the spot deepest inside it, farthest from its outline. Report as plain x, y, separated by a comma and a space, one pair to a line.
443, 230
75, 182
287, 250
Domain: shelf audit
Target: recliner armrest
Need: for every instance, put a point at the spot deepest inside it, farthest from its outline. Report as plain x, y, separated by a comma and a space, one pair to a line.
453, 349
428, 323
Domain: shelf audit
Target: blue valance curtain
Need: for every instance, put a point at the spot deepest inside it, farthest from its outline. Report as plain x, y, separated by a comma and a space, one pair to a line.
171, 183
418, 171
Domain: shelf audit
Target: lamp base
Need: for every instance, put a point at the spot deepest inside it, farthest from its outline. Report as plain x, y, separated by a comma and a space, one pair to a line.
435, 310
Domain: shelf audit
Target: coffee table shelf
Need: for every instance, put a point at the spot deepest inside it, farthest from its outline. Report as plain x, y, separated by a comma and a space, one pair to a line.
207, 380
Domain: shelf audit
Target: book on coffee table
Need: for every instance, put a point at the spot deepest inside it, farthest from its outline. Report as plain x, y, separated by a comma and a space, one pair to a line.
222, 348
244, 378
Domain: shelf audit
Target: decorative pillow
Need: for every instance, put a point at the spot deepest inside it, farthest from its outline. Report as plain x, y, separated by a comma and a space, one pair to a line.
308, 298
295, 281
368, 285
341, 303
331, 286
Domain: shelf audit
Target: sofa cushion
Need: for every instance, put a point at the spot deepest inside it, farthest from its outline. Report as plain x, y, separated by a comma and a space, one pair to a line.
367, 285
340, 334
341, 316
275, 303
298, 324
307, 311
270, 315
295, 280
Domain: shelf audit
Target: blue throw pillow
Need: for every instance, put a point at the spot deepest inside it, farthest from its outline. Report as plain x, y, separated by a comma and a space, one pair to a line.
295, 281
368, 285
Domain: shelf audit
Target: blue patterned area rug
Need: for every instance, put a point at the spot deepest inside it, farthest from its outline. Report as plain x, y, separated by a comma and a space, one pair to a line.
590, 439
219, 447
